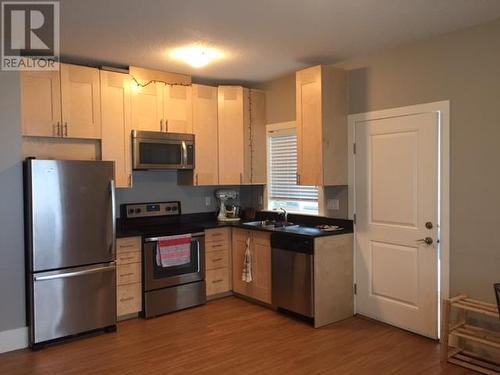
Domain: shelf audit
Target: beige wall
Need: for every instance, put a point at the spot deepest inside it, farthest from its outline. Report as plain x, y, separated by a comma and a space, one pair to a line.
463, 67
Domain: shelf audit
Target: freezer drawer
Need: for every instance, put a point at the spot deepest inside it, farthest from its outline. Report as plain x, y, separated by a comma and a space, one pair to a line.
72, 301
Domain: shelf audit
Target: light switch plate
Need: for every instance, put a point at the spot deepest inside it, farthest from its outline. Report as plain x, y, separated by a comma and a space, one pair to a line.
208, 201
333, 204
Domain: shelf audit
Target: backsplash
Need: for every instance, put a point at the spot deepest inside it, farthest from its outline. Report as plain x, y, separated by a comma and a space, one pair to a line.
160, 186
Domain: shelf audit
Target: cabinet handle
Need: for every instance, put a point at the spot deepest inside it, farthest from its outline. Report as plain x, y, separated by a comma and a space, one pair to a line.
126, 299
57, 127
196, 183
126, 274
128, 258
217, 260
217, 281
161, 125
129, 180
65, 129
125, 246
241, 178
166, 125
298, 179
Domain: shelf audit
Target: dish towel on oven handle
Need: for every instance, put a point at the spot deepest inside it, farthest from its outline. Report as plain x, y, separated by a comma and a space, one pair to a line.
247, 264
173, 250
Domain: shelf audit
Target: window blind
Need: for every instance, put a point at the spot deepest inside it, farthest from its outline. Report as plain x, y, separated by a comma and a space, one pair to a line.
283, 171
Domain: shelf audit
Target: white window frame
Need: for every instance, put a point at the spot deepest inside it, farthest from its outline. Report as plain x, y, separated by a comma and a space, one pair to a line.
283, 126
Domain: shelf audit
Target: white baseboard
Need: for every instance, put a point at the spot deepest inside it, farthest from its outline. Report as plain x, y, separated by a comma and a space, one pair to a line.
13, 339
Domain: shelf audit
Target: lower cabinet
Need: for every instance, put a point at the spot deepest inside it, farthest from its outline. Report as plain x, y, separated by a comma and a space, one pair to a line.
128, 276
260, 250
217, 261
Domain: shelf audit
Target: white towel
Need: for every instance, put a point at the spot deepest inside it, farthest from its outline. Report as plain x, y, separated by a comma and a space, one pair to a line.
247, 264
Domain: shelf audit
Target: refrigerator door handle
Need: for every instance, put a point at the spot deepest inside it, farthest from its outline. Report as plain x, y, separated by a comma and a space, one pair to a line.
110, 267
113, 216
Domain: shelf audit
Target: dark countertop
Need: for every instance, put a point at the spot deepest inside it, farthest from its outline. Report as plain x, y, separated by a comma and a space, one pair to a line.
192, 223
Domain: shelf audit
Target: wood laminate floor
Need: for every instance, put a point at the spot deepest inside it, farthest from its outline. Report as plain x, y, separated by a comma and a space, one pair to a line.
232, 336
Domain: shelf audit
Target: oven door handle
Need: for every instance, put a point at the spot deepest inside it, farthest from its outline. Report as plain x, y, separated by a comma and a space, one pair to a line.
198, 252
155, 239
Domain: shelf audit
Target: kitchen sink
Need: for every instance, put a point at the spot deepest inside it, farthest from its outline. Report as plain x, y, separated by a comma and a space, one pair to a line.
271, 225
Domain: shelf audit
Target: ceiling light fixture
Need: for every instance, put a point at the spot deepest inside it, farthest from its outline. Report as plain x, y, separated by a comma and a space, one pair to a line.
196, 55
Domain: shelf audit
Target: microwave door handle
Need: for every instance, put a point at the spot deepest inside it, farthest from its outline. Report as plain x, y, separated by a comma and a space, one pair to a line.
184, 154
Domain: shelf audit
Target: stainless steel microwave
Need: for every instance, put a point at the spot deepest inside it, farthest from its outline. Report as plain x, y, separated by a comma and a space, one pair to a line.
157, 150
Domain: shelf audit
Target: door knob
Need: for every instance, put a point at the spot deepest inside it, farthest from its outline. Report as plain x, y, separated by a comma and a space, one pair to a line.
427, 240
428, 225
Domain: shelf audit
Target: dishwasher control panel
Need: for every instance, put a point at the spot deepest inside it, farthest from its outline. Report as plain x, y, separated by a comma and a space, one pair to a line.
289, 242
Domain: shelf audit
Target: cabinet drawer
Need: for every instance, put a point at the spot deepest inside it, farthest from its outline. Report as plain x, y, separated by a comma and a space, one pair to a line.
128, 244
221, 234
128, 257
128, 299
216, 259
217, 281
128, 273
216, 246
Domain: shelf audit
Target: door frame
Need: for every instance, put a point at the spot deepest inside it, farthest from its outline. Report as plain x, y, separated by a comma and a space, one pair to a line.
443, 110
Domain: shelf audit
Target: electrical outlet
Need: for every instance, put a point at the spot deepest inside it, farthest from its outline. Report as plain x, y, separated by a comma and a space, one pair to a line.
333, 204
208, 201
260, 200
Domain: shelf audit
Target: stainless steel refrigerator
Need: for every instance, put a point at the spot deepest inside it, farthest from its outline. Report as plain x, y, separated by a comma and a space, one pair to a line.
70, 248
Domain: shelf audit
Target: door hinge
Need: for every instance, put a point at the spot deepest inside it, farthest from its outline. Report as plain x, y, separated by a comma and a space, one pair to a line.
355, 289
354, 148
354, 218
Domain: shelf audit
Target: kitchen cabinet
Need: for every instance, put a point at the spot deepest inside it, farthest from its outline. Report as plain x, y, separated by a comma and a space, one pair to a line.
147, 107
241, 130
217, 261
260, 249
206, 172
116, 117
81, 102
177, 109
321, 106
162, 108
128, 277
41, 103
62, 104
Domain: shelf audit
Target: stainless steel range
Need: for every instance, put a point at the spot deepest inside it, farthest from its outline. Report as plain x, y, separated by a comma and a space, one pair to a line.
173, 257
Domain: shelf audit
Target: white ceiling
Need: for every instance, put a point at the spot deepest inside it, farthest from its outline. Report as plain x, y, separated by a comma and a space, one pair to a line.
265, 39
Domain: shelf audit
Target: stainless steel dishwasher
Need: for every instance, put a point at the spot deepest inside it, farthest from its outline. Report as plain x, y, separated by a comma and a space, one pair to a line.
293, 273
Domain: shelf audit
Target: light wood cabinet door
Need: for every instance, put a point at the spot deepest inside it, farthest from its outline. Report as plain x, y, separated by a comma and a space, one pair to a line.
41, 103
261, 266
258, 152
231, 134
116, 119
178, 109
81, 102
147, 107
205, 130
309, 127
238, 250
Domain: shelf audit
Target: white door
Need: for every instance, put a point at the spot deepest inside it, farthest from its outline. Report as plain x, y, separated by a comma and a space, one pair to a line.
396, 200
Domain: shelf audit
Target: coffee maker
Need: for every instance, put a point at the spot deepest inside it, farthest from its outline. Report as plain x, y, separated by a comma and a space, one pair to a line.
224, 196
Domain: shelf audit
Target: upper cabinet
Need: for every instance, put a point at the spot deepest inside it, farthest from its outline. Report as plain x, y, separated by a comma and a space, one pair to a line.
177, 109
61, 104
161, 101
147, 107
81, 102
321, 99
241, 136
116, 119
41, 103
205, 130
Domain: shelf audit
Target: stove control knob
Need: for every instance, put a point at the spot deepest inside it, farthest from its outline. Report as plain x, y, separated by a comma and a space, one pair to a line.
168, 208
137, 210
174, 208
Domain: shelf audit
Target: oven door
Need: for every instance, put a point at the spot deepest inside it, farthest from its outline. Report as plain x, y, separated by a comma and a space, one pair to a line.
157, 277
163, 151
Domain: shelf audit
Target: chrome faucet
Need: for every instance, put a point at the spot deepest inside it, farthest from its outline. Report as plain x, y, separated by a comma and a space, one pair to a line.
285, 215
